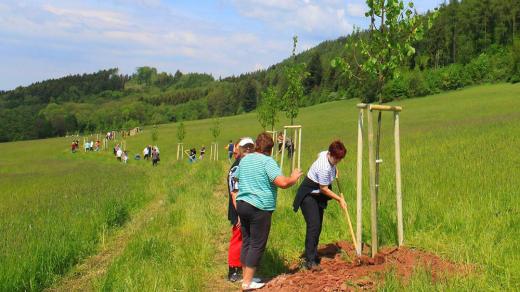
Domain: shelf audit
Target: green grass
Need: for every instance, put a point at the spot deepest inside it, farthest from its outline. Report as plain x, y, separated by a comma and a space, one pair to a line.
460, 187
176, 249
56, 209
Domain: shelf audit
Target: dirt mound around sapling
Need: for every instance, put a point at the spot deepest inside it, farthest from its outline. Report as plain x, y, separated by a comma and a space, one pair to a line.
342, 270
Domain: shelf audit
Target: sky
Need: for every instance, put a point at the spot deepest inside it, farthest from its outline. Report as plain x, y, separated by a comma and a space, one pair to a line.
47, 39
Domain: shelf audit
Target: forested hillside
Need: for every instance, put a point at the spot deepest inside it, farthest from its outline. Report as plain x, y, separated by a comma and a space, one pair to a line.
469, 42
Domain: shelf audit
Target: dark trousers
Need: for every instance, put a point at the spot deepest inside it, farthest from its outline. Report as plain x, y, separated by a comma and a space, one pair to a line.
313, 215
256, 225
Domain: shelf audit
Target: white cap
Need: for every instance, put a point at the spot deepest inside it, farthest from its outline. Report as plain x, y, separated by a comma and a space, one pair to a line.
244, 141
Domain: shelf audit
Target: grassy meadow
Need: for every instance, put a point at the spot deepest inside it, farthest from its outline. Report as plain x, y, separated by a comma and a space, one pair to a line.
459, 160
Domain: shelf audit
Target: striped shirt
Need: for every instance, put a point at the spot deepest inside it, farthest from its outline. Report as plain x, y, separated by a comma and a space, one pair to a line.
322, 171
256, 174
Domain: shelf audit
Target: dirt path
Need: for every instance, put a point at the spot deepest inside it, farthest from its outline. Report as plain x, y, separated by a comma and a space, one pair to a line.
218, 281
82, 277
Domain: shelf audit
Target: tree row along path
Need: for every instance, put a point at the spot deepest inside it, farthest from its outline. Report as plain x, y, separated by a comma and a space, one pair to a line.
82, 277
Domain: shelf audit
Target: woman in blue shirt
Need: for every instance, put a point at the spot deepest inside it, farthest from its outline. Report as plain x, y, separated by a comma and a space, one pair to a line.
259, 177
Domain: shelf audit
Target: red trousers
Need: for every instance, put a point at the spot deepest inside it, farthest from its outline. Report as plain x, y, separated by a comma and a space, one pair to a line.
235, 245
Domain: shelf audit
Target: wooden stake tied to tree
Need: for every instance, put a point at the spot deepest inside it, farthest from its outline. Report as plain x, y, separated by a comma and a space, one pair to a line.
215, 132
181, 134
393, 29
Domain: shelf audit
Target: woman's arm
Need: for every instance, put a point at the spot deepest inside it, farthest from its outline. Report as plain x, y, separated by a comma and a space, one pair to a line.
234, 195
327, 192
287, 181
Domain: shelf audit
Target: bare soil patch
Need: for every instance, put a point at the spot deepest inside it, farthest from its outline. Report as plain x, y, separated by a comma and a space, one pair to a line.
342, 270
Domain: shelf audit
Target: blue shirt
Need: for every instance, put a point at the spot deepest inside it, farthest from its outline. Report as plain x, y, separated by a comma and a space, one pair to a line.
256, 175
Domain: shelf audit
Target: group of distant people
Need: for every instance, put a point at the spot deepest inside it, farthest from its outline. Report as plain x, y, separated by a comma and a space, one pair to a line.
192, 154
152, 153
149, 152
110, 135
252, 182
87, 146
120, 154
92, 146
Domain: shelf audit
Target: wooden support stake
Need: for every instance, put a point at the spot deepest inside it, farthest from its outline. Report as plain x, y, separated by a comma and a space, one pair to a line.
283, 147
373, 195
380, 107
273, 134
180, 150
359, 184
295, 137
400, 234
299, 146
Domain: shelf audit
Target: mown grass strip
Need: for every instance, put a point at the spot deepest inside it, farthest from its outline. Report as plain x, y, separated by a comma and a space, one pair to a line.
176, 250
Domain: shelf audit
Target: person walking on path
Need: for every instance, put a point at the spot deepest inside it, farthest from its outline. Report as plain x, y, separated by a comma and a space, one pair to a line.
245, 146
312, 197
259, 177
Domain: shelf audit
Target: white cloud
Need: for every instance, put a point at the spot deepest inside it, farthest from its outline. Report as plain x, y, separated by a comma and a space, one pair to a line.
326, 18
93, 17
356, 9
76, 36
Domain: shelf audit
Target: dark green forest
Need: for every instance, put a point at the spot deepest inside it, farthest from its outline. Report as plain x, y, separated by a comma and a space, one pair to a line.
469, 42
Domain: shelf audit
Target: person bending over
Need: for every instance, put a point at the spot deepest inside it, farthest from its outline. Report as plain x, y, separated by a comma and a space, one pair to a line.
312, 197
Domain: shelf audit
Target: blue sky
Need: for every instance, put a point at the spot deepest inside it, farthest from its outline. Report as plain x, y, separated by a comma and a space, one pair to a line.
48, 39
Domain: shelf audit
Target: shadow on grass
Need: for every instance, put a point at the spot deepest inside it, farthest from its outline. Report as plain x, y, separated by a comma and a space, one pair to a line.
273, 264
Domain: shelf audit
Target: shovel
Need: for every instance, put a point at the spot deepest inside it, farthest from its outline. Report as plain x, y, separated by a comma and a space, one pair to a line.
348, 216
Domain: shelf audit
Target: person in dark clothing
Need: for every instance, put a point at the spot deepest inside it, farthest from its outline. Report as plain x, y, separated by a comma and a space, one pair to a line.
312, 197
230, 148
245, 146
192, 155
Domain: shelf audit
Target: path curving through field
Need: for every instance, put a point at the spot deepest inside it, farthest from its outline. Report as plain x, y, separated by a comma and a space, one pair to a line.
82, 277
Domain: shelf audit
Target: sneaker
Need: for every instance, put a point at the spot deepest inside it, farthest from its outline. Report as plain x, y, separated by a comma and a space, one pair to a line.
252, 286
234, 274
256, 280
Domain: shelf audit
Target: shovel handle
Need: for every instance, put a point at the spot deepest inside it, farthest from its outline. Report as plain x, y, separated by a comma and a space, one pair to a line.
350, 224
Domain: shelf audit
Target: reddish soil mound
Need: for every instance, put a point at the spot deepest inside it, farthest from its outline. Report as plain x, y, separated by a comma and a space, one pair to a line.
342, 270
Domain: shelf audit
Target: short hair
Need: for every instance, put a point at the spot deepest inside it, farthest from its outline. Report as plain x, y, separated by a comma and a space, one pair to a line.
337, 149
264, 143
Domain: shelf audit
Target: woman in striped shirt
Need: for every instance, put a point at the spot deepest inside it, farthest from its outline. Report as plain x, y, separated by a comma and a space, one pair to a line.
258, 176
312, 197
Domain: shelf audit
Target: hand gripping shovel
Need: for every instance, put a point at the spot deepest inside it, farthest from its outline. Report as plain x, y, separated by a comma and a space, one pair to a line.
348, 217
